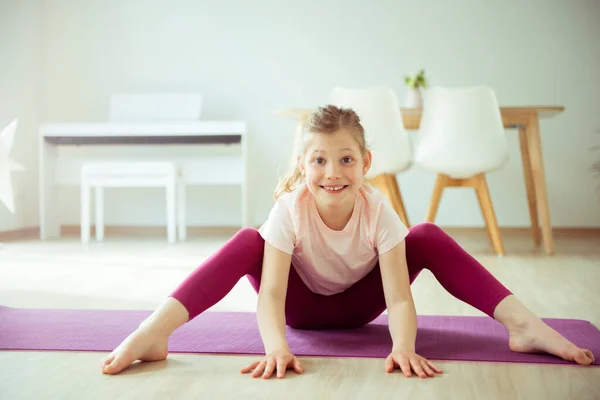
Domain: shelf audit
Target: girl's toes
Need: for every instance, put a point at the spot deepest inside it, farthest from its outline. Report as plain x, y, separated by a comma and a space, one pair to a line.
584, 357
106, 361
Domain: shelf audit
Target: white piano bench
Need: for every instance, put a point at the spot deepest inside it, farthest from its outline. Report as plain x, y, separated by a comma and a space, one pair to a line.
102, 174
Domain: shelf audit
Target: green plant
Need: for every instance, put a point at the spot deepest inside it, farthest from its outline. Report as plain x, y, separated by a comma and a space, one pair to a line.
419, 80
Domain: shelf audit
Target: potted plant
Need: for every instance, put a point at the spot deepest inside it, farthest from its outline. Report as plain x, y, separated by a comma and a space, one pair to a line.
414, 96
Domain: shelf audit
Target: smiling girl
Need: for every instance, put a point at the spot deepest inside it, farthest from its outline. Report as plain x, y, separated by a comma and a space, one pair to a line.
334, 254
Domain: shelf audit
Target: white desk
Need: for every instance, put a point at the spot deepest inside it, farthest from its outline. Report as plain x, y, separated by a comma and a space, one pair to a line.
56, 170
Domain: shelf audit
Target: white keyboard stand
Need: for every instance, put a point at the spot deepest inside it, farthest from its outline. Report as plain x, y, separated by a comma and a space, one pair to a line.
57, 170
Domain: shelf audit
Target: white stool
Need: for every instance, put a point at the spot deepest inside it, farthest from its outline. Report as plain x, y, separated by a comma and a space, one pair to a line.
103, 174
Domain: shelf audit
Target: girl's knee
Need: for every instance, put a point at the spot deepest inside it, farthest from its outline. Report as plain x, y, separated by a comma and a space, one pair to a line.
426, 230
249, 238
249, 234
425, 234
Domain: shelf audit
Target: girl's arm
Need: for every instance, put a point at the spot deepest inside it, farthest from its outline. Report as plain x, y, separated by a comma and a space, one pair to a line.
271, 298
402, 315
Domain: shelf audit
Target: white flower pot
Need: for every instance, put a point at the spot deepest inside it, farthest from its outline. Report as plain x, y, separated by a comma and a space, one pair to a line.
414, 98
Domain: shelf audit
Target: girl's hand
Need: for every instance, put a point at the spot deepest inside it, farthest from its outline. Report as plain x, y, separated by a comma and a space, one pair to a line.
280, 359
407, 360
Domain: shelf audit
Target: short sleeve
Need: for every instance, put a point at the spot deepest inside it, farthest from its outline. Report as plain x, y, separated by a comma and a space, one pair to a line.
390, 230
278, 230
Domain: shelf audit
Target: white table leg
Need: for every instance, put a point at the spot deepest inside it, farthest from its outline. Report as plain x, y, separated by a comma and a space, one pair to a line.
85, 212
181, 211
48, 212
170, 192
99, 213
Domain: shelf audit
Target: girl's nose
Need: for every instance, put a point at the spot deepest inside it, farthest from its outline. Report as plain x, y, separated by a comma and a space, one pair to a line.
333, 170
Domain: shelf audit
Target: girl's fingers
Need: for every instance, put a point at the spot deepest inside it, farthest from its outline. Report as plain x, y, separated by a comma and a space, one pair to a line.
426, 368
259, 369
271, 363
389, 364
404, 366
416, 365
268, 366
281, 368
434, 367
297, 366
249, 367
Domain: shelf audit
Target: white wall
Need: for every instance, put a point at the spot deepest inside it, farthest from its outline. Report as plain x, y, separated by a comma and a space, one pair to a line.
20, 84
250, 58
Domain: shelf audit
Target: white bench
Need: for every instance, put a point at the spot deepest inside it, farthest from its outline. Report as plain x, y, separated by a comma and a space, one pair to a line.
103, 174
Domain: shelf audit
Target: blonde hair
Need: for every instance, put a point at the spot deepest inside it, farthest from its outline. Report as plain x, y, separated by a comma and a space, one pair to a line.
326, 120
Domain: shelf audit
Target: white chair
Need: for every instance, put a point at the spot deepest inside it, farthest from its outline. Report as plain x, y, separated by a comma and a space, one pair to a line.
379, 111
100, 175
461, 138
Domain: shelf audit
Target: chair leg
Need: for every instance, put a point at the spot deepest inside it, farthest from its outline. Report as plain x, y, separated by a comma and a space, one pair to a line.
388, 185
487, 226
85, 212
485, 200
181, 211
99, 213
170, 197
479, 183
398, 201
440, 183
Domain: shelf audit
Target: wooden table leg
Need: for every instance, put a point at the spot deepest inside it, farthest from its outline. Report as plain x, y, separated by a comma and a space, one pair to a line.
529, 187
539, 181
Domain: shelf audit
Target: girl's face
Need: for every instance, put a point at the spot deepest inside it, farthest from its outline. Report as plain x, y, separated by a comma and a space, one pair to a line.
334, 168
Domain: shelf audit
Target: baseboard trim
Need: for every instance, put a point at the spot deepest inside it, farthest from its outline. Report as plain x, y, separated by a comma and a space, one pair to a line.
150, 231
33, 233
557, 232
20, 234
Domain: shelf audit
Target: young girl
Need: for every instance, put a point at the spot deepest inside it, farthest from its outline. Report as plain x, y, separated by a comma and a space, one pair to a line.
334, 254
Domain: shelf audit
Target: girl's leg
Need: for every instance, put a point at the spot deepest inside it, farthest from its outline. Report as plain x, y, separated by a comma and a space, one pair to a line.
213, 280
428, 246
241, 256
204, 287
467, 280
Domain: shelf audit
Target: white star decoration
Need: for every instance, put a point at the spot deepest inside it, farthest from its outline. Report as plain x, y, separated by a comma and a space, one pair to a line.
7, 166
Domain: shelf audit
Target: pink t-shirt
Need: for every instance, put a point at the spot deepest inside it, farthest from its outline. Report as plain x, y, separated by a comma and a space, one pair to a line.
330, 261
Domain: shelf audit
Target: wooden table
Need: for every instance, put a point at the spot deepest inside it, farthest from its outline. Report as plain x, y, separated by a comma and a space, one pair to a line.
526, 120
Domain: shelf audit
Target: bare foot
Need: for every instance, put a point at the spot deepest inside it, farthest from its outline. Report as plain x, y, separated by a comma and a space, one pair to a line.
535, 336
143, 344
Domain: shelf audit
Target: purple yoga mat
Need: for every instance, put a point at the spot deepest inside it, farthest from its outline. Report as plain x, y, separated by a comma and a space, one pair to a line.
465, 338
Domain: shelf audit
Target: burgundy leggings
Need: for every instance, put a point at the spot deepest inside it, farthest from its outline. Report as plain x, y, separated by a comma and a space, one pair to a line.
427, 246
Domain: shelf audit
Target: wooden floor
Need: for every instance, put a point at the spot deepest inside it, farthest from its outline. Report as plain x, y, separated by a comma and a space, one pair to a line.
137, 274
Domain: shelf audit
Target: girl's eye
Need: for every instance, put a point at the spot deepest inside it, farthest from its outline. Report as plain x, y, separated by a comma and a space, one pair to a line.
320, 160
347, 160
